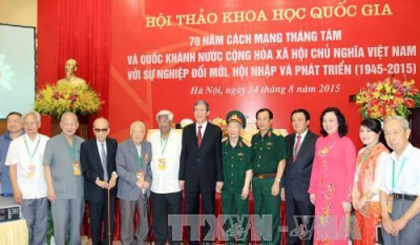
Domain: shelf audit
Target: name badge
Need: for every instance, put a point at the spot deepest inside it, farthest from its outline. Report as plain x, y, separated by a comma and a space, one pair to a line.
162, 164
31, 170
76, 168
140, 176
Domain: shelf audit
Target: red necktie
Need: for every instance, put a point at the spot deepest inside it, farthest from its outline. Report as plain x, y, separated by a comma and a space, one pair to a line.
297, 148
199, 137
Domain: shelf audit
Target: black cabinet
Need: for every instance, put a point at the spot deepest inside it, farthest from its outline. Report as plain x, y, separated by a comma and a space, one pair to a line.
415, 128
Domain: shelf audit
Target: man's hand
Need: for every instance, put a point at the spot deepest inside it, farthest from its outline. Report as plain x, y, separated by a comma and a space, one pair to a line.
51, 195
181, 184
17, 195
140, 184
146, 185
112, 182
312, 197
388, 225
275, 188
245, 193
283, 194
219, 186
399, 225
101, 183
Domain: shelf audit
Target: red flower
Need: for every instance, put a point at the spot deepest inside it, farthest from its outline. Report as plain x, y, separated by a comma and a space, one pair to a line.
375, 102
383, 111
409, 103
56, 95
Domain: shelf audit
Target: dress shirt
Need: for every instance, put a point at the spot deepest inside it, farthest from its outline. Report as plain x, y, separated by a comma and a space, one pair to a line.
166, 181
406, 172
31, 187
203, 128
302, 138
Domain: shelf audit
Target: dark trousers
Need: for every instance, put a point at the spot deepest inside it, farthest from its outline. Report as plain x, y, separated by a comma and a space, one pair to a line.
299, 219
236, 226
98, 213
265, 204
192, 206
162, 206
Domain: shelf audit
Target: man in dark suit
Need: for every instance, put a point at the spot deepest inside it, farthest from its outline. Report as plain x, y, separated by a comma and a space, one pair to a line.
97, 157
300, 155
201, 166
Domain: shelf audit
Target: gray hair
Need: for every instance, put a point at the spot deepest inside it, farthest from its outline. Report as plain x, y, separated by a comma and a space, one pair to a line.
137, 123
202, 102
32, 113
69, 113
401, 119
166, 113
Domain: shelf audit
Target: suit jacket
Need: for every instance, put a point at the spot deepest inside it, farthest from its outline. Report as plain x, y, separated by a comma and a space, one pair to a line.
297, 174
92, 167
128, 165
201, 168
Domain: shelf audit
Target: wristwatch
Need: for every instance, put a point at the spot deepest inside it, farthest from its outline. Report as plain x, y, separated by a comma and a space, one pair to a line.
278, 179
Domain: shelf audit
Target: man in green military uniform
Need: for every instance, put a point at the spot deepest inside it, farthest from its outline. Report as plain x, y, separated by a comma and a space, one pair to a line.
237, 175
269, 161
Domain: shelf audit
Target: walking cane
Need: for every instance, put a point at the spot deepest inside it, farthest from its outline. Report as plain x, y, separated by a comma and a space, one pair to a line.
109, 221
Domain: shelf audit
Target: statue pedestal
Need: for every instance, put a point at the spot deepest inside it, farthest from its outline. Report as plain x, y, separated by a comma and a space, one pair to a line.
81, 132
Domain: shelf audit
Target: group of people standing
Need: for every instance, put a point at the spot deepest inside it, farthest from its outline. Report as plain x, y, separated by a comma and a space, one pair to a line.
320, 179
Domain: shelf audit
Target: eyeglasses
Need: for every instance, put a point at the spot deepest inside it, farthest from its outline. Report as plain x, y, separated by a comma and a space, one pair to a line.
98, 130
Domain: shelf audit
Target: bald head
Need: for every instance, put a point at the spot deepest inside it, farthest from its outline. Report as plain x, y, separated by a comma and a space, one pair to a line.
101, 129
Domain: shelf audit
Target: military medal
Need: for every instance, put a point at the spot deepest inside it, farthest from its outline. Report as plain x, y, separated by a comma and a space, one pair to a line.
32, 166
140, 176
76, 164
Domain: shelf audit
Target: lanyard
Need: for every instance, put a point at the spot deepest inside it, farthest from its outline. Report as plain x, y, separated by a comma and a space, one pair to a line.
138, 158
72, 150
164, 146
31, 155
399, 173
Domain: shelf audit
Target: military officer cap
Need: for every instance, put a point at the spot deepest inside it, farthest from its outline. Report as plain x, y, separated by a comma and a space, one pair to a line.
237, 116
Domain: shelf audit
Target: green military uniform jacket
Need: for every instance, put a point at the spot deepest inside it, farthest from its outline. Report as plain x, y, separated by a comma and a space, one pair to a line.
236, 161
268, 151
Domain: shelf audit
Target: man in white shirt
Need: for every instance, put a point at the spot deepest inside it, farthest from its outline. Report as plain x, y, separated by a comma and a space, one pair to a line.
166, 194
24, 159
400, 190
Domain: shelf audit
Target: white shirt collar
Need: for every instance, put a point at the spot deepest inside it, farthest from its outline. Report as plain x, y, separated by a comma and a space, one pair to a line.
203, 129
302, 135
100, 143
408, 152
30, 140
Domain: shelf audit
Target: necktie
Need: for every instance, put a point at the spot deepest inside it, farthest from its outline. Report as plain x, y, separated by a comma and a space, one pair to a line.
103, 153
297, 148
199, 137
